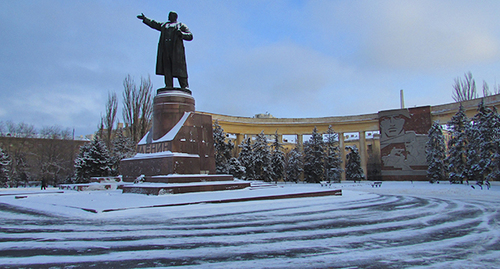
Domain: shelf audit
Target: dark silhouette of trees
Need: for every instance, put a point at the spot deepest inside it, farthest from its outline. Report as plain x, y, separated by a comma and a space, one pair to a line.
464, 89
137, 107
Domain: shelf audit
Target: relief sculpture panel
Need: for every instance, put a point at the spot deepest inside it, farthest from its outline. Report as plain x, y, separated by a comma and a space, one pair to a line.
403, 137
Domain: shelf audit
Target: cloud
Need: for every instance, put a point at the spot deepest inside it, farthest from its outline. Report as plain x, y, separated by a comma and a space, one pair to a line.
60, 59
413, 35
269, 78
419, 35
57, 108
290, 58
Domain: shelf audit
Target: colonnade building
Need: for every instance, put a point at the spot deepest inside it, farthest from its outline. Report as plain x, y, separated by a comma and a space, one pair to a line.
391, 143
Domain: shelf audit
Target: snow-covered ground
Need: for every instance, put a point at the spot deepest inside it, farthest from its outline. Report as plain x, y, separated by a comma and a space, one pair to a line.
400, 224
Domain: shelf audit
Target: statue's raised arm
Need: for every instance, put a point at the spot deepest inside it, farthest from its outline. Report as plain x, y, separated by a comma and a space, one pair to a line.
171, 57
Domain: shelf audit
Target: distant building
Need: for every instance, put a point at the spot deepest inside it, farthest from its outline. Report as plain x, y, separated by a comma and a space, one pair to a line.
264, 116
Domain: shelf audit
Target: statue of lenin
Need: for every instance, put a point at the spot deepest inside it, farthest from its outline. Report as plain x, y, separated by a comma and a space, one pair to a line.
171, 58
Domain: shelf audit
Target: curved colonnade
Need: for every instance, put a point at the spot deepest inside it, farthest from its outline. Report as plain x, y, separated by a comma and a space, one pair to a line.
361, 124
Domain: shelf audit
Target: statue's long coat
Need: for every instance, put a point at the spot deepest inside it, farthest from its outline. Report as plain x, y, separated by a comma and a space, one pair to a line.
171, 58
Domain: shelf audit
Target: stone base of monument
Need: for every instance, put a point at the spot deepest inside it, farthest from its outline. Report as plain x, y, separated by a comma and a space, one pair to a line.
187, 178
172, 188
180, 142
179, 148
186, 149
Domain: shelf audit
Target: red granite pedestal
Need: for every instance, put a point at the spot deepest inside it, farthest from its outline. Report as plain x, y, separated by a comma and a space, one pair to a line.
179, 143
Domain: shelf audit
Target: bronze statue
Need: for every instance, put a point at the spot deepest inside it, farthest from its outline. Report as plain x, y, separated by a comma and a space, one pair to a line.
171, 58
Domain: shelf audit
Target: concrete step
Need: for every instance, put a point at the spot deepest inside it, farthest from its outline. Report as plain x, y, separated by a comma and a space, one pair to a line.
187, 178
164, 188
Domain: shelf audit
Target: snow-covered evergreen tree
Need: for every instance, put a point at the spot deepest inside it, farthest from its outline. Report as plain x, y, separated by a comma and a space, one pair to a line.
353, 170
294, 165
475, 162
92, 161
122, 147
246, 158
489, 127
4, 169
495, 163
314, 150
261, 158
333, 159
473, 151
495, 147
457, 147
435, 154
235, 168
21, 172
223, 149
483, 146
277, 159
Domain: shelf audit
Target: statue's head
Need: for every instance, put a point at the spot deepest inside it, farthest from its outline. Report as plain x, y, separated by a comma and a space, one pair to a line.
172, 16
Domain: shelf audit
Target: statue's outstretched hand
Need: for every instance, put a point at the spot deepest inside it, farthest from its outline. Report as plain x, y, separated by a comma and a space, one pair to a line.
141, 17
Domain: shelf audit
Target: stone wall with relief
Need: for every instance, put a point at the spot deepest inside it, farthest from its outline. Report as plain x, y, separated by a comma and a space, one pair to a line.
403, 137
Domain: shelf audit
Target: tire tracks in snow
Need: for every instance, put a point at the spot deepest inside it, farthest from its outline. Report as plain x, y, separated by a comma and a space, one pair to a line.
387, 231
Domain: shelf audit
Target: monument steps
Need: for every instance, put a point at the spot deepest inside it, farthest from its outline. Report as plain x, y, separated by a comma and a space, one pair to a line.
172, 188
333, 192
187, 178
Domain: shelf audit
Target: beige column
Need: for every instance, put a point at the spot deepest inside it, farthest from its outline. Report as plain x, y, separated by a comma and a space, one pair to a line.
300, 141
342, 153
280, 138
239, 139
362, 151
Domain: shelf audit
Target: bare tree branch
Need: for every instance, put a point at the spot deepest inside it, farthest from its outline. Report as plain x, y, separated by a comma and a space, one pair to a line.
496, 88
109, 119
137, 107
146, 100
486, 89
464, 89
26, 130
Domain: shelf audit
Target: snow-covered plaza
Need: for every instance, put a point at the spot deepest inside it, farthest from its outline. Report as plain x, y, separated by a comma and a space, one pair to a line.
399, 225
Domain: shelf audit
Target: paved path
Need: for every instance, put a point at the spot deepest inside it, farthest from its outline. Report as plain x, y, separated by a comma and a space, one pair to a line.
385, 231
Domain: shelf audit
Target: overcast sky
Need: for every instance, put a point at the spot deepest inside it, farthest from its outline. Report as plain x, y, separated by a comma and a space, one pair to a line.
59, 59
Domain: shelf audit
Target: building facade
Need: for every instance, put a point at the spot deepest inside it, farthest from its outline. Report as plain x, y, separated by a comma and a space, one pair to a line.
391, 143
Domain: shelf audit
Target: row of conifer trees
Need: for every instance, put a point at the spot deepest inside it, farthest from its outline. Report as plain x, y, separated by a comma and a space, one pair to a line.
472, 152
320, 160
